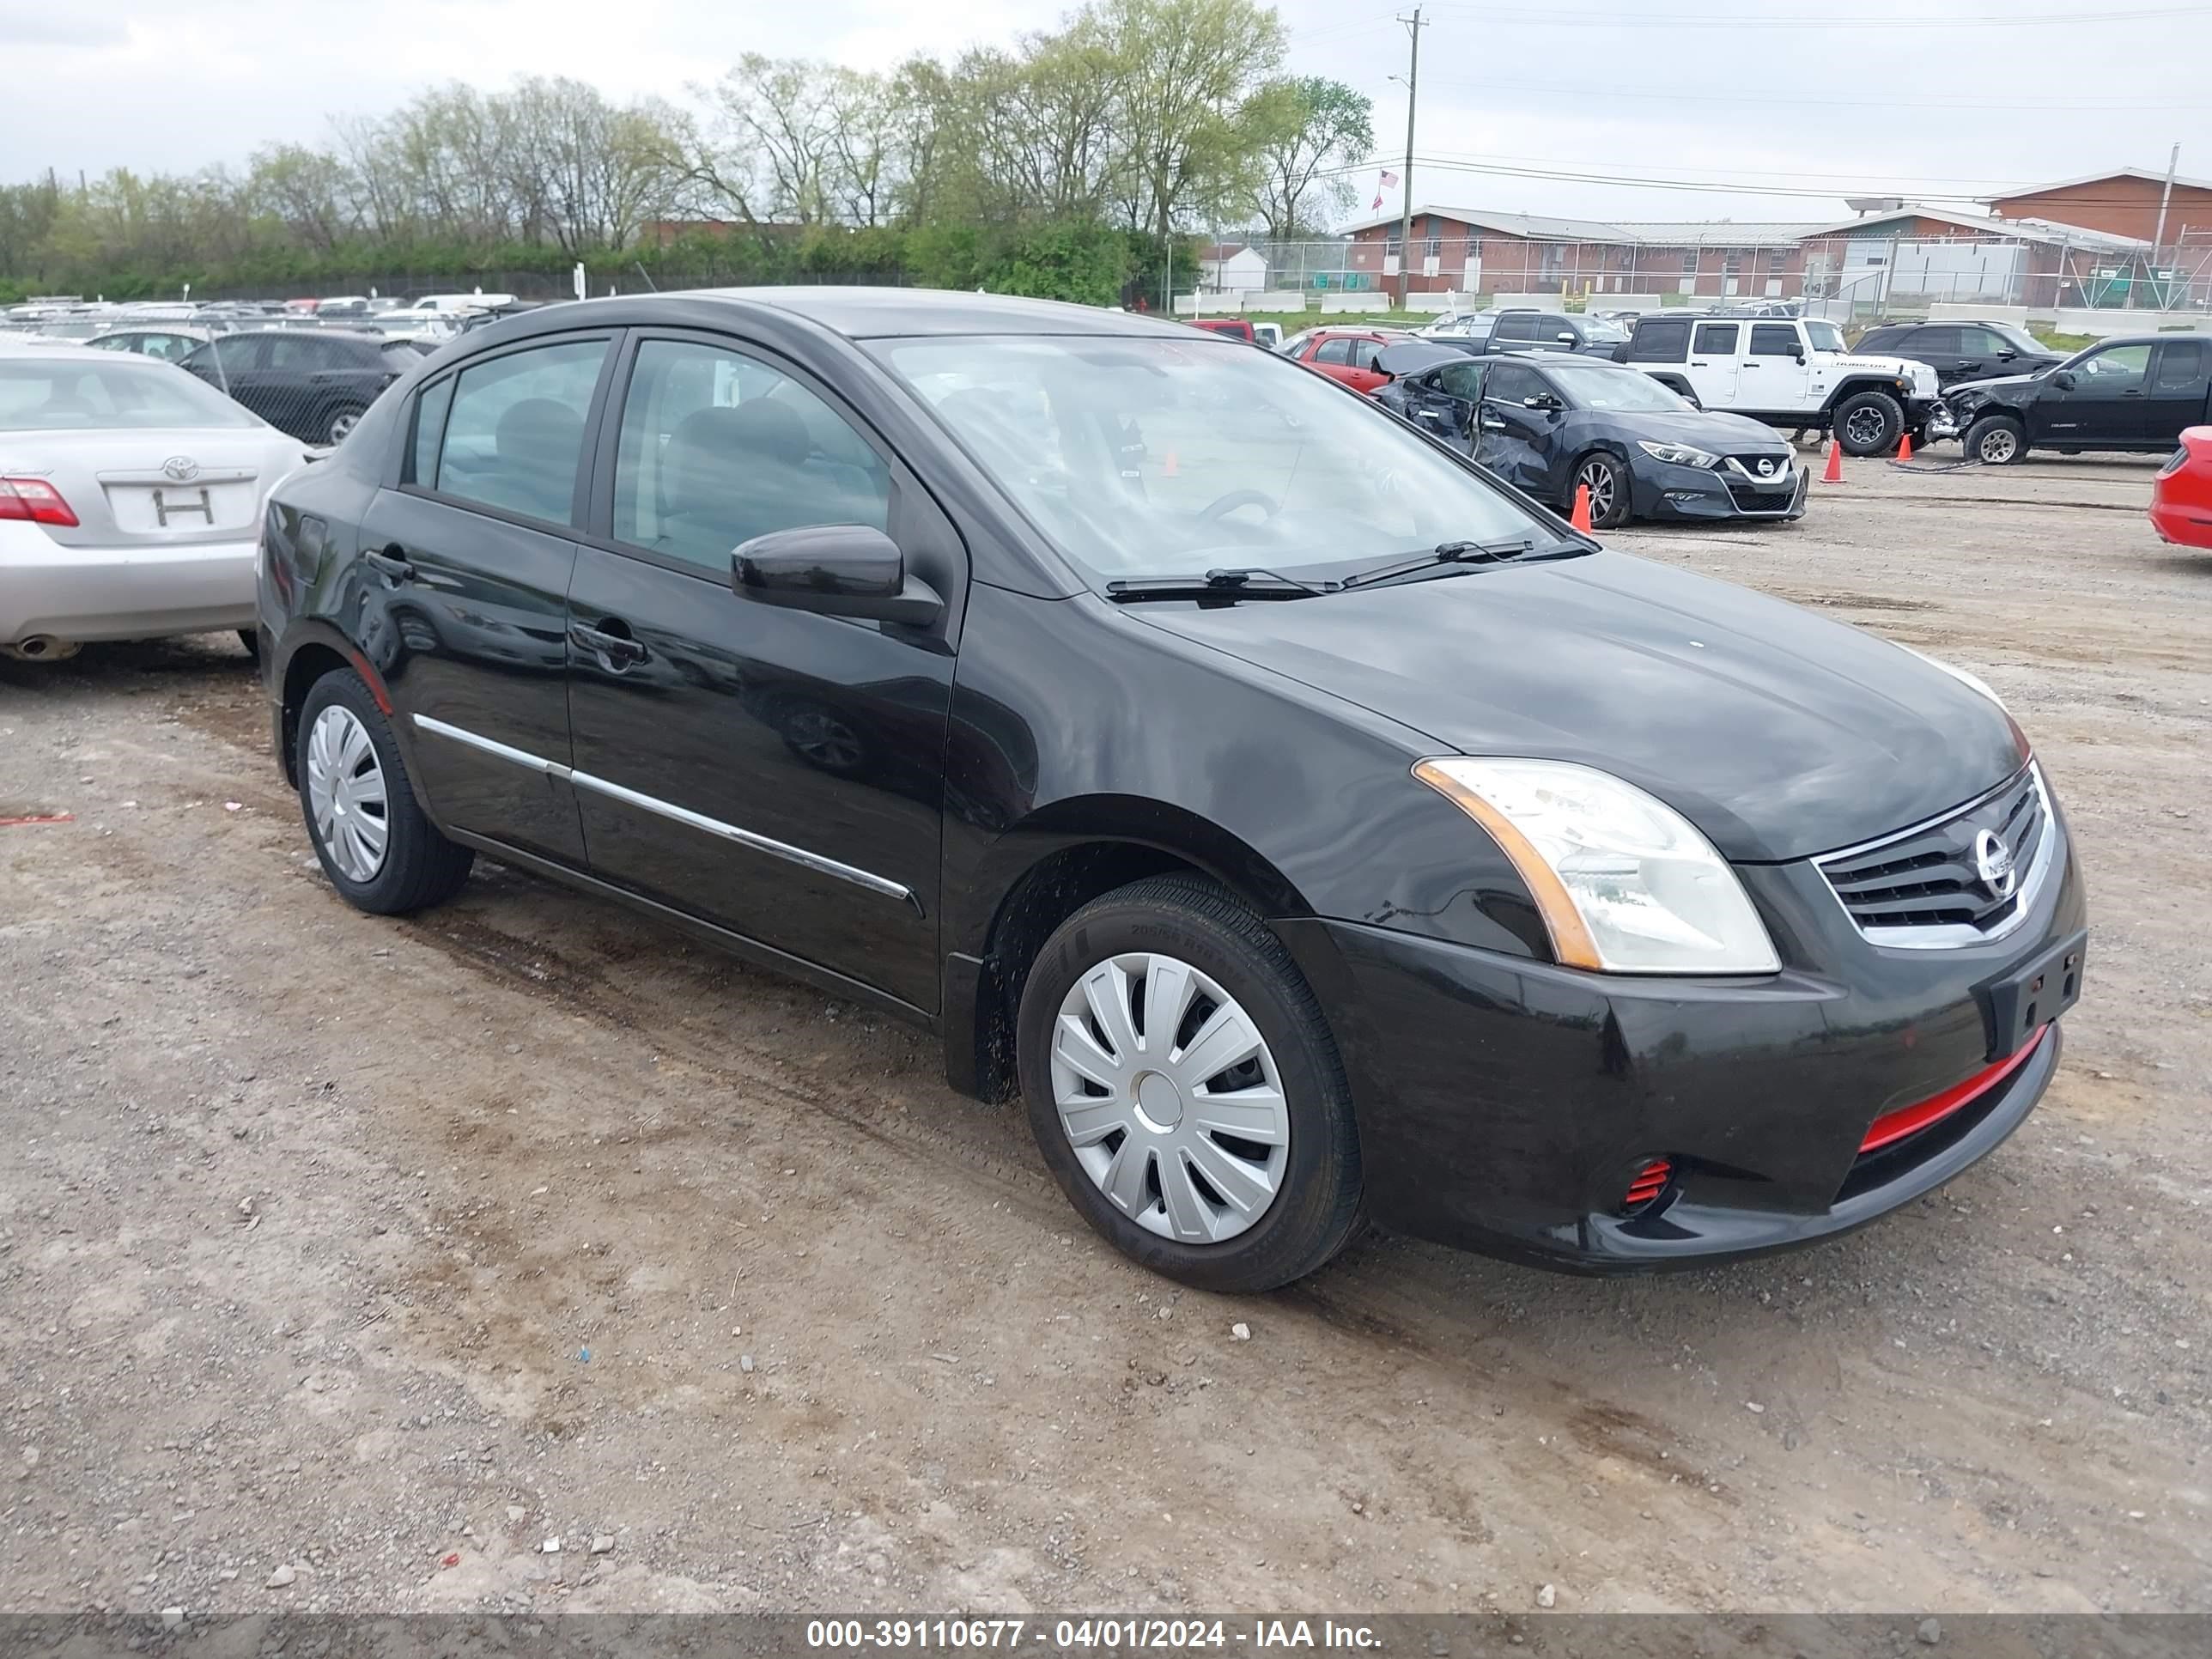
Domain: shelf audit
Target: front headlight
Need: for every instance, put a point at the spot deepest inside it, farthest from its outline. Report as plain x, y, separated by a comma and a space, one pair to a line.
1678, 454
1625, 883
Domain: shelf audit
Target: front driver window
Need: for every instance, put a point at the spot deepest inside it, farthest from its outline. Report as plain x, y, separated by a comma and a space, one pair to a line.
717, 447
2115, 368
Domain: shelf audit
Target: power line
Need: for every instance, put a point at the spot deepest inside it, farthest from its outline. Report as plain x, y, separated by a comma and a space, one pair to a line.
1606, 92
1717, 19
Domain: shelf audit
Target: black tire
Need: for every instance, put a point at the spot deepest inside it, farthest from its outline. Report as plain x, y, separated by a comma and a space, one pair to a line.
420, 866
1853, 422
1317, 1201
1617, 492
327, 429
1996, 441
251, 638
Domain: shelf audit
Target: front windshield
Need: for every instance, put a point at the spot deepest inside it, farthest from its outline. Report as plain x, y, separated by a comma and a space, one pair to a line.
1591, 385
1147, 457
1823, 335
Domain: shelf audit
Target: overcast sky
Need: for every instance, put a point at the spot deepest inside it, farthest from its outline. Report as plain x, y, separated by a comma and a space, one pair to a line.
1780, 97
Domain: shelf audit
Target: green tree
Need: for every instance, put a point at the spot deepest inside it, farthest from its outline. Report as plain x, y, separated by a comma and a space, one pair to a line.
1313, 127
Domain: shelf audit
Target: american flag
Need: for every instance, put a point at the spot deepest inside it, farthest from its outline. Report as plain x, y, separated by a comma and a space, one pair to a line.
1384, 181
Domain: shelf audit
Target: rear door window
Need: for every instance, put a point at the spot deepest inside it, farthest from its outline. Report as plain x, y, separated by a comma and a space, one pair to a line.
515, 430
1664, 342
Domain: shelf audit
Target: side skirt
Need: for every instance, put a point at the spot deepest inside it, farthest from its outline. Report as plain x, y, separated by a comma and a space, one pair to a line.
739, 945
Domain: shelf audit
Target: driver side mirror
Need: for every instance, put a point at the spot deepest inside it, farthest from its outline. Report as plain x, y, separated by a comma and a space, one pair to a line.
1542, 400
2063, 380
833, 570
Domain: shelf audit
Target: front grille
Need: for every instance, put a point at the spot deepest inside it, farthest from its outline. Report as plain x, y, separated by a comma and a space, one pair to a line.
1928, 880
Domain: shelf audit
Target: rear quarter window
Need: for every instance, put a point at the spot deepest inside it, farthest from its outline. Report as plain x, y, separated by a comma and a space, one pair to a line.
1663, 342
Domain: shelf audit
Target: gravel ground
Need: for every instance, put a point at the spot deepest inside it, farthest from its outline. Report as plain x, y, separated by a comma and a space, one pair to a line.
524, 1254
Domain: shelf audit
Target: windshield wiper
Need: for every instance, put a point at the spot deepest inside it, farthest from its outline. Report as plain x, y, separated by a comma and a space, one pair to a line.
1445, 553
1238, 583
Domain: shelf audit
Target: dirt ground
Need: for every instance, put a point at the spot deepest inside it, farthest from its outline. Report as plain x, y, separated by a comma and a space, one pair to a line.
334, 1249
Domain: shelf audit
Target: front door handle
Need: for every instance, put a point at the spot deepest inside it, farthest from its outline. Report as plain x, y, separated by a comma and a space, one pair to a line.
617, 651
390, 564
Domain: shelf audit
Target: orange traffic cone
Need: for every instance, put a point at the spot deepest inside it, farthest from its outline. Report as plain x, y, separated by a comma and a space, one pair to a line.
1580, 518
1835, 472
1905, 445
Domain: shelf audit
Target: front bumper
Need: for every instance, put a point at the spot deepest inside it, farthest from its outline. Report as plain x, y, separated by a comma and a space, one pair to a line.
86, 593
1504, 1105
1660, 489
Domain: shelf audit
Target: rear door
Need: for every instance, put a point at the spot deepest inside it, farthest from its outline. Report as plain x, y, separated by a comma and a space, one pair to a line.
236, 365
464, 578
1365, 373
777, 772
1447, 400
1515, 441
2179, 371
2104, 406
1713, 369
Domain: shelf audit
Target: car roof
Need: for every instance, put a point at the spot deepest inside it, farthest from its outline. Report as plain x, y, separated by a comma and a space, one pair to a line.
866, 313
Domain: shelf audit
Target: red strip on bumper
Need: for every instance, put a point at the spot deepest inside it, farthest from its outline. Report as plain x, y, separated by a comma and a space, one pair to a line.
1910, 1120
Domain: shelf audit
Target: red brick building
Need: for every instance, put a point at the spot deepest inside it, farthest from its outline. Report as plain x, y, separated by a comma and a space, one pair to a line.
2122, 204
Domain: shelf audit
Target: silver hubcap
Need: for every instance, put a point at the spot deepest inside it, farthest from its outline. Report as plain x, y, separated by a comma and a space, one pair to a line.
1170, 1098
1997, 447
1865, 426
345, 793
1599, 480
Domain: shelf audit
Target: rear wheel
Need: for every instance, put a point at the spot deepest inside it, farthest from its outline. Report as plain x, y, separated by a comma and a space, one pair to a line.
1869, 423
376, 845
340, 422
1996, 441
1185, 1091
1606, 480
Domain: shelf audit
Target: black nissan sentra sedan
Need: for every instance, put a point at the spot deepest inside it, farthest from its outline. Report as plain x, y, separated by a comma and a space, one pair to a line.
1303, 824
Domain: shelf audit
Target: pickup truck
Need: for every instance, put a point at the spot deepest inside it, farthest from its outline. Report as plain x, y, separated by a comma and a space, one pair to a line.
2135, 392
1795, 373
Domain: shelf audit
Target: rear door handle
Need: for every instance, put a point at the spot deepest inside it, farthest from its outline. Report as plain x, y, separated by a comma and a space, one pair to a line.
617, 651
389, 563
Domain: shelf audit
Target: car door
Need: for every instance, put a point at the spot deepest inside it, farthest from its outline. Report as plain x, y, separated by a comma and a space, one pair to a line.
2179, 370
233, 365
2101, 401
1772, 371
1712, 371
1365, 372
1332, 356
1514, 440
777, 772
1444, 401
465, 566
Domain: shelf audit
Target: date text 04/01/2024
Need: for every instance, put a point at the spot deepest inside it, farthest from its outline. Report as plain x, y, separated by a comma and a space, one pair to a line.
1081, 1634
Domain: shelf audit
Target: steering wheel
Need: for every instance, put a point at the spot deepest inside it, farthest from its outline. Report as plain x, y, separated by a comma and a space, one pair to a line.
1236, 498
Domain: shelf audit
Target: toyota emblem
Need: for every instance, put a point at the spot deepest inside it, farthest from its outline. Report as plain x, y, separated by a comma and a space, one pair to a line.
1993, 863
180, 468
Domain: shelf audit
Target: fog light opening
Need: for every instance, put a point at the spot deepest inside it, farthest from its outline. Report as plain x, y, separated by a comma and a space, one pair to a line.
1649, 1187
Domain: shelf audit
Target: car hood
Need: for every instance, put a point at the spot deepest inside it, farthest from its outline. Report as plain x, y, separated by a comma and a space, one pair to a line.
1999, 384
1724, 435
1779, 734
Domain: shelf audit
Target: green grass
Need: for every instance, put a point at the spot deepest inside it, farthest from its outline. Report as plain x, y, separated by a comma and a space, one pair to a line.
2068, 343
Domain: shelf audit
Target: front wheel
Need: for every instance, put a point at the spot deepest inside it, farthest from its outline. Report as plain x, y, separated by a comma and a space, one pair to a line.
376, 845
1869, 424
340, 422
1185, 1091
1606, 480
1996, 441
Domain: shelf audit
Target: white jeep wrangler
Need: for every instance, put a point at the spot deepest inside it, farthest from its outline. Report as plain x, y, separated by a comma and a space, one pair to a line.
1789, 372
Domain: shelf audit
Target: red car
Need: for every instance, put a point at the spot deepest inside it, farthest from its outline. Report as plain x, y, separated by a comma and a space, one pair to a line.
1235, 327
1344, 354
2181, 500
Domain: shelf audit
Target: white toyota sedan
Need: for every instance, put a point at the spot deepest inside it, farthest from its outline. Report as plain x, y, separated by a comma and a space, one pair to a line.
131, 496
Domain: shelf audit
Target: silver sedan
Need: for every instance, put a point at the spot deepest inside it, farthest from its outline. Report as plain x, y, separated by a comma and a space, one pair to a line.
131, 498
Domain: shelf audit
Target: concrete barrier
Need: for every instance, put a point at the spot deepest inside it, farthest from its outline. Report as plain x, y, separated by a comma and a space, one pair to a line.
1353, 304
1529, 301
2105, 324
1276, 298
1944, 312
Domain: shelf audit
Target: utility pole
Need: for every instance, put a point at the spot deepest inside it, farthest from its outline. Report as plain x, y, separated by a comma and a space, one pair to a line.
2158, 236
1405, 215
